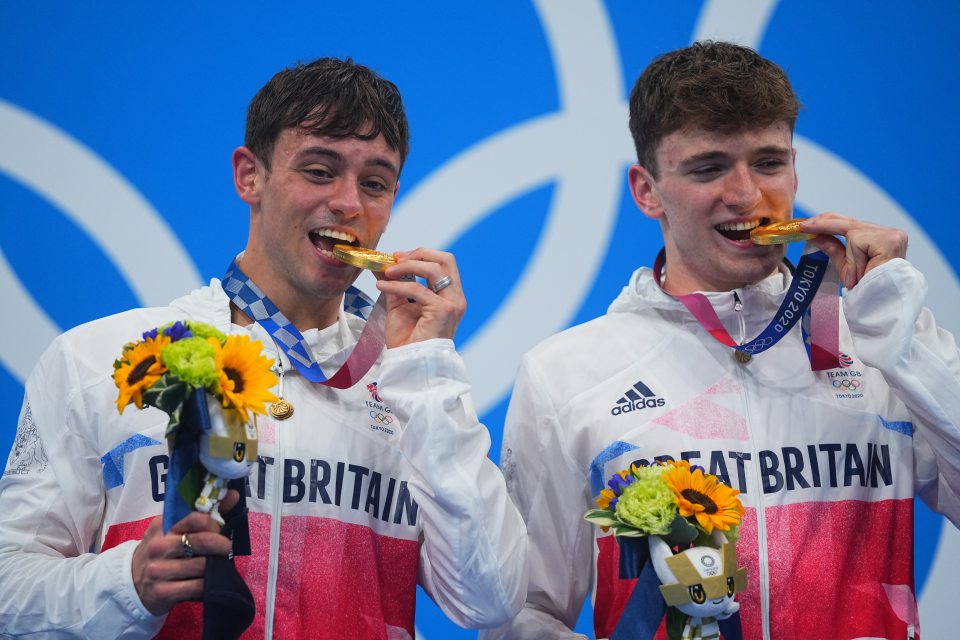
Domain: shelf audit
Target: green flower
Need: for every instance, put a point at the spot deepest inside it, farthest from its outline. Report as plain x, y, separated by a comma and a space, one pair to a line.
193, 361
204, 330
648, 504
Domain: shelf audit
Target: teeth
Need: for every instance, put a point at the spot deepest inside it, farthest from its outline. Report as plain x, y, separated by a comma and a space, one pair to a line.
738, 226
336, 235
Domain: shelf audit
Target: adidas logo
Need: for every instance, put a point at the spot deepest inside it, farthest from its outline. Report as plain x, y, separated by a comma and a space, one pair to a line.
635, 398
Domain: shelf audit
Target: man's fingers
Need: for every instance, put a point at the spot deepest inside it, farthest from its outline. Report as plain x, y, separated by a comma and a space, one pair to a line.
171, 592
201, 543
172, 569
867, 245
429, 264
837, 253
195, 521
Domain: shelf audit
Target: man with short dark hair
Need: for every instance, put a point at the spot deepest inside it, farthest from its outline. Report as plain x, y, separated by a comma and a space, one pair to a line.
827, 442
362, 490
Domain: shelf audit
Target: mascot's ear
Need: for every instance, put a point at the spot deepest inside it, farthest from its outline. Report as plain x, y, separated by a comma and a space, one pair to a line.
659, 552
719, 538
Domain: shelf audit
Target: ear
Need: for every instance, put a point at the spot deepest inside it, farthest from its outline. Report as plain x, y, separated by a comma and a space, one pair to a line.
643, 188
247, 171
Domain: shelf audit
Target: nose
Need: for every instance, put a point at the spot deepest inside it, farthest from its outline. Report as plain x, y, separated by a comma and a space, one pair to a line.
345, 199
740, 190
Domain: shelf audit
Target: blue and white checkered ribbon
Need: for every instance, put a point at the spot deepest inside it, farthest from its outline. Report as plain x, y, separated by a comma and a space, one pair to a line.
256, 305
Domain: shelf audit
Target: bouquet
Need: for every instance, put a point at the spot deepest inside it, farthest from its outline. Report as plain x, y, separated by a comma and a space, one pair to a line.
675, 506
212, 386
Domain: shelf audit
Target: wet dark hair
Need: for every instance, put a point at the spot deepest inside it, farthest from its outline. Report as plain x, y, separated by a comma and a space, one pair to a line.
717, 86
329, 97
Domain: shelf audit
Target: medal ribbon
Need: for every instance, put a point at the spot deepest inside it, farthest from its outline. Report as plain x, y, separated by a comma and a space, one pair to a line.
255, 304
804, 295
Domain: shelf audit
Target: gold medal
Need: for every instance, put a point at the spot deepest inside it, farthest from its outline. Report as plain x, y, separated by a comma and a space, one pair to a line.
780, 233
363, 258
742, 356
281, 409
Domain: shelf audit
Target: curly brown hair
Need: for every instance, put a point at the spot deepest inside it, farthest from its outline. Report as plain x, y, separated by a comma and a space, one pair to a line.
717, 86
328, 97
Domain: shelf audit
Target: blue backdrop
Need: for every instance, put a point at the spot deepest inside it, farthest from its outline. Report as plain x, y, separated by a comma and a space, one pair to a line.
117, 121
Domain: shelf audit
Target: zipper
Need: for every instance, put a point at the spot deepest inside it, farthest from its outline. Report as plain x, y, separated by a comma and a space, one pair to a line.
738, 307
755, 485
275, 510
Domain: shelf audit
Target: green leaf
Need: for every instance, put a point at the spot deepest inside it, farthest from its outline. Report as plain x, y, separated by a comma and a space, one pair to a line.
681, 532
602, 517
172, 425
626, 530
703, 539
167, 394
192, 483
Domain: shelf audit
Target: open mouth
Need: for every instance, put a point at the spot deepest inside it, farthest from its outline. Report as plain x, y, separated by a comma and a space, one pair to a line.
324, 239
740, 230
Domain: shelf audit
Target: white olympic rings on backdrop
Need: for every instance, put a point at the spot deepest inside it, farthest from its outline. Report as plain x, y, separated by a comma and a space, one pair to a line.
102, 203
588, 177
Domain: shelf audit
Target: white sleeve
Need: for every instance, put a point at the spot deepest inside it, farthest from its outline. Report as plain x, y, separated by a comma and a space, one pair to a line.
549, 490
51, 504
473, 559
894, 333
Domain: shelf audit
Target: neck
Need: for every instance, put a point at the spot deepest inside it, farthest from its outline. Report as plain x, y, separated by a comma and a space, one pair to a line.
302, 322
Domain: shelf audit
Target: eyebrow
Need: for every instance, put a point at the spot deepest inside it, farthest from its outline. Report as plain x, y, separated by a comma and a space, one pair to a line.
705, 155
772, 149
336, 156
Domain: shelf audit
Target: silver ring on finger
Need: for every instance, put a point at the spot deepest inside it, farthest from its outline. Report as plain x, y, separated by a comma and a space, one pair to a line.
187, 547
441, 284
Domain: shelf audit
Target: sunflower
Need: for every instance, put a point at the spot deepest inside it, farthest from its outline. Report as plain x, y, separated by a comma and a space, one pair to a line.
712, 503
245, 378
137, 369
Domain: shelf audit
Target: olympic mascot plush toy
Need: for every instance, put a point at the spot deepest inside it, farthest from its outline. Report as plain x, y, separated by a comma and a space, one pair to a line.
228, 451
700, 582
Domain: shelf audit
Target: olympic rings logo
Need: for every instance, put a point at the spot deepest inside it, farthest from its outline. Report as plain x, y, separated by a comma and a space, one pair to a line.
849, 385
757, 346
380, 417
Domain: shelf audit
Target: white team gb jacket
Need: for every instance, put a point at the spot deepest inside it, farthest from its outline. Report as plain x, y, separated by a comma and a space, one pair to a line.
827, 462
358, 496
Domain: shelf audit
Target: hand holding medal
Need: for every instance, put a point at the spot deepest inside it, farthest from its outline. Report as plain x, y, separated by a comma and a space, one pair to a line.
867, 245
414, 312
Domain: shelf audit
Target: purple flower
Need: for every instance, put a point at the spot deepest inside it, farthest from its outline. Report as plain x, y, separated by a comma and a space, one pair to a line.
150, 335
694, 467
178, 331
618, 482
